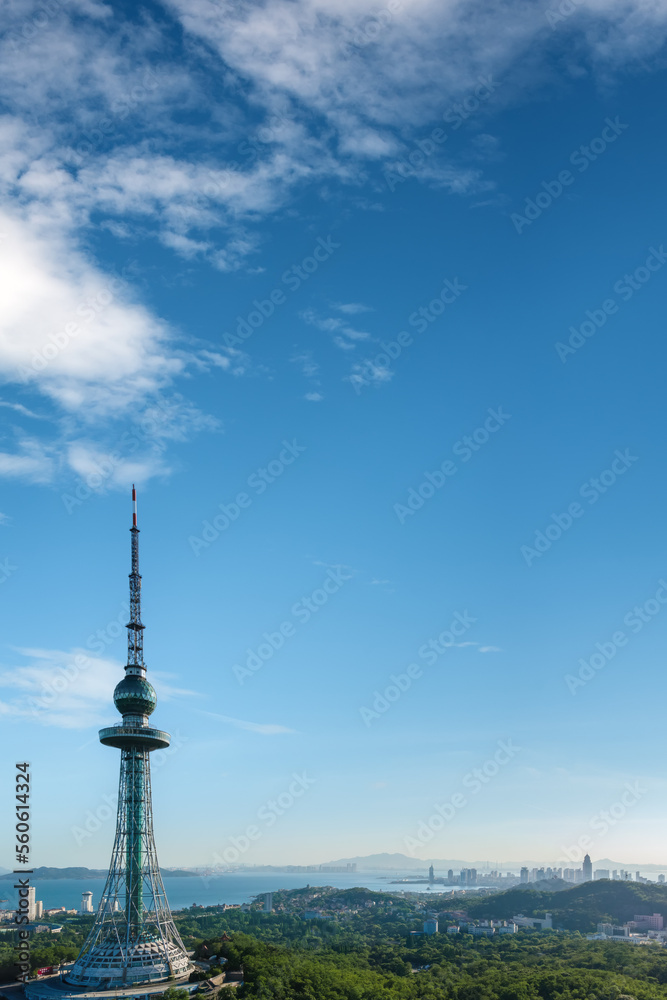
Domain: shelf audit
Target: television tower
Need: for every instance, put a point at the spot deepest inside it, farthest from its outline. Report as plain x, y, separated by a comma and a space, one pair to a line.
134, 939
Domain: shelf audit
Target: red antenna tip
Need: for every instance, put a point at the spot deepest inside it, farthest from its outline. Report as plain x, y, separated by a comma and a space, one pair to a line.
134, 501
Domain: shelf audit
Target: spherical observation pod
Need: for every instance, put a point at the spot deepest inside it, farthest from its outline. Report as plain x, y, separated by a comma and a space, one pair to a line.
135, 696
142, 737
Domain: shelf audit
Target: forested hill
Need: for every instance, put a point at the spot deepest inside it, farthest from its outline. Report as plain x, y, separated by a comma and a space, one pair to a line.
579, 908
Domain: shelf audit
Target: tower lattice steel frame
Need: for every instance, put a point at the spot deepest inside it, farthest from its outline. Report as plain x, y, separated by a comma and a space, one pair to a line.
134, 939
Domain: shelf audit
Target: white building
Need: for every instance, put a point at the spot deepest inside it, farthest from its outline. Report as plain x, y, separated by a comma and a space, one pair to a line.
86, 902
35, 907
522, 921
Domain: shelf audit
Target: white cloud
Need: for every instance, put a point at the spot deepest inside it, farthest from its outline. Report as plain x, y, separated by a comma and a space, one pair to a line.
67, 689
330, 88
480, 648
19, 408
108, 470
370, 70
183, 245
79, 337
216, 359
368, 373
44, 692
352, 308
309, 366
72, 330
344, 336
263, 728
33, 462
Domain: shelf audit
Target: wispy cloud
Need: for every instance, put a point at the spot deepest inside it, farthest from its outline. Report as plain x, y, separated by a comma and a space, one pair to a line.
19, 408
369, 373
481, 649
309, 369
32, 462
343, 335
263, 728
68, 689
308, 366
336, 102
352, 308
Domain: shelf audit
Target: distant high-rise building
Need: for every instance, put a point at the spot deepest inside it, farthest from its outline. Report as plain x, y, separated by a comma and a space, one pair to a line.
268, 902
524, 874
587, 869
661, 879
648, 922
450, 875
431, 874
430, 926
86, 902
31, 902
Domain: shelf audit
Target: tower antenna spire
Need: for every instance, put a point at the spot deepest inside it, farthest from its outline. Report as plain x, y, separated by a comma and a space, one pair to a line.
135, 629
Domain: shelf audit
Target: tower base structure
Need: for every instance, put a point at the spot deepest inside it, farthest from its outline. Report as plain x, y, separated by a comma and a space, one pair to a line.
56, 988
133, 939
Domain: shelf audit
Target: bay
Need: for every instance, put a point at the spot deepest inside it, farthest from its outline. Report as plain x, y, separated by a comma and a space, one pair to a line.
232, 887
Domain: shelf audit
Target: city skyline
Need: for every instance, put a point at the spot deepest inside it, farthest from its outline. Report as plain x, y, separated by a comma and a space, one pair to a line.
378, 334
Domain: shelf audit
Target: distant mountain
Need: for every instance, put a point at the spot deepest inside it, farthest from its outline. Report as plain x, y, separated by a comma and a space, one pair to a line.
627, 866
390, 862
401, 862
83, 873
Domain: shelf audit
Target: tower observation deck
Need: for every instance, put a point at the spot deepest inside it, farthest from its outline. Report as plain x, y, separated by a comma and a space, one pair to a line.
133, 940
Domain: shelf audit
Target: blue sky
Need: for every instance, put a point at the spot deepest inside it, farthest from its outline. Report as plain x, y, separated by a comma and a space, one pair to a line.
368, 301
